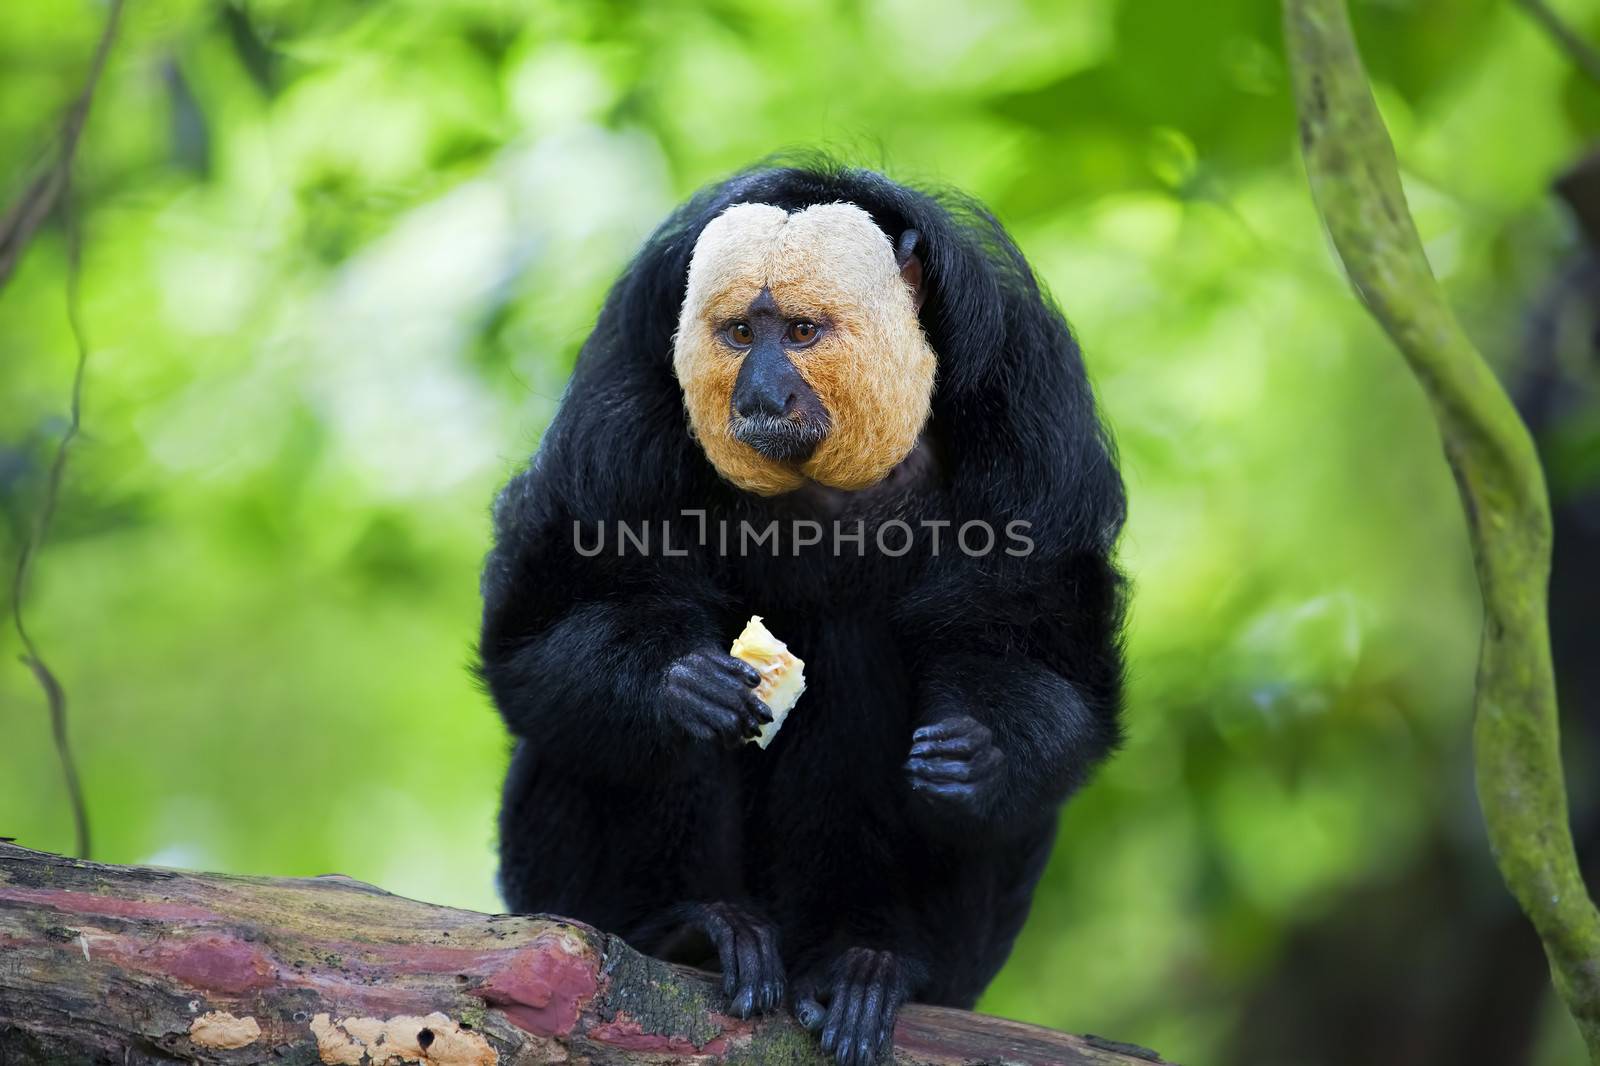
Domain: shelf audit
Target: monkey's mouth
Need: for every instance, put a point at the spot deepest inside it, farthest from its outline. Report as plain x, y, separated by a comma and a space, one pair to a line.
785, 440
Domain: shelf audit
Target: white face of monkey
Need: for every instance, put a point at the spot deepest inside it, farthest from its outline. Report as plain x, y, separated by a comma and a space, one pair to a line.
799, 351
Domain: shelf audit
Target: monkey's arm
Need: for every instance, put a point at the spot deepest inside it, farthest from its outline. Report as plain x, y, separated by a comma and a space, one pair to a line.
613, 665
1018, 700
593, 682
1003, 741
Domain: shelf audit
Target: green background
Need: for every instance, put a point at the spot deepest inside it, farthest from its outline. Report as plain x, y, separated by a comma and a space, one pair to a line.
338, 260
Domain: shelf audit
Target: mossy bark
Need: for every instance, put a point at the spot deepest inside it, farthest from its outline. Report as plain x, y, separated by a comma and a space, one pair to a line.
132, 964
1355, 181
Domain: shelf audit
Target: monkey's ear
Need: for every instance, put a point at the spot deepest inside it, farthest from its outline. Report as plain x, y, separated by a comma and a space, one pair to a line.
910, 264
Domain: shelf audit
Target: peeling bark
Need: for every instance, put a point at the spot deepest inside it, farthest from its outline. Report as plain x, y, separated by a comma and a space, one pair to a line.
130, 964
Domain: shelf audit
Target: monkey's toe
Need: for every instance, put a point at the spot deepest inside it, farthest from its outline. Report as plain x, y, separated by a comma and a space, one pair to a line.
747, 948
864, 994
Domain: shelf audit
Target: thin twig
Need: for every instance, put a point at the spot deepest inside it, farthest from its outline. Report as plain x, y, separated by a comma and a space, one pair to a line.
1583, 54
44, 194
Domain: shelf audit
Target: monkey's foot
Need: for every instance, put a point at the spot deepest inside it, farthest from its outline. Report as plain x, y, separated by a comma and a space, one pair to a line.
854, 1006
747, 946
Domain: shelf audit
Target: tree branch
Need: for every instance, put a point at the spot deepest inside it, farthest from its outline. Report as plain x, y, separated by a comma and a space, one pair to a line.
1355, 181
140, 965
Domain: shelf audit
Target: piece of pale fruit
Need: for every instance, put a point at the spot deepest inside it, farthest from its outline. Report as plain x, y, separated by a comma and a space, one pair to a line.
783, 676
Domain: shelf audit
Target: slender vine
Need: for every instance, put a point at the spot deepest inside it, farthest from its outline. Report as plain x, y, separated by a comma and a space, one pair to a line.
1355, 181
55, 694
50, 192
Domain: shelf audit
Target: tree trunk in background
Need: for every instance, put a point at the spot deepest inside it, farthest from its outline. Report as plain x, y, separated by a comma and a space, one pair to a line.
1355, 181
1473, 983
131, 964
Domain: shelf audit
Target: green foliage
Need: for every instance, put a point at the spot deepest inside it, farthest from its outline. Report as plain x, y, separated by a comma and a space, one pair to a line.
339, 258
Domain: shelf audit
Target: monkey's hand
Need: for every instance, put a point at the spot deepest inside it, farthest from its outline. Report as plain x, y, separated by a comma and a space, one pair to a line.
711, 696
855, 1003
955, 764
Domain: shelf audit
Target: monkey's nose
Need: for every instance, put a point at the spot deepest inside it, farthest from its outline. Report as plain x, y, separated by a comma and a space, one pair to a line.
767, 402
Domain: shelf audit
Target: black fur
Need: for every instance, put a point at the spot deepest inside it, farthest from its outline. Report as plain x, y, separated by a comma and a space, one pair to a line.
882, 872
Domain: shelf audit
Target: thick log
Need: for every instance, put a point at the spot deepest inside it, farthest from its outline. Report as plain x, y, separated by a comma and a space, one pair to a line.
132, 964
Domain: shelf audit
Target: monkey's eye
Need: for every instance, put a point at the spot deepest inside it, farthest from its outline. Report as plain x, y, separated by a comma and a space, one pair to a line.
740, 335
802, 331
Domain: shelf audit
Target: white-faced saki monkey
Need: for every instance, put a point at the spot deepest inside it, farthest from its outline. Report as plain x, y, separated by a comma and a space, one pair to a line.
846, 405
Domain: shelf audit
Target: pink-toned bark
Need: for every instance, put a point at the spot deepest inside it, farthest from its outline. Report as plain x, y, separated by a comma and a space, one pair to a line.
140, 965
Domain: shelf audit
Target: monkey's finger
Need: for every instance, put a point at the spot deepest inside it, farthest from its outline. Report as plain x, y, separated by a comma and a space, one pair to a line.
742, 1003
836, 1008
684, 672
960, 794
953, 726
752, 713
771, 993
750, 971
961, 744
872, 1005
836, 1034
685, 686
891, 1010
749, 723
941, 770
721, 935
955, 790
849, 1048
691, 717
737, 669
714, 718
808, 1012
717, 698
846, 989
750, 720
854, 1019
944, 727
758, 708
830, 1026
715, 686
